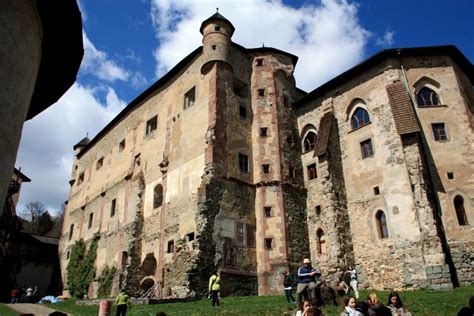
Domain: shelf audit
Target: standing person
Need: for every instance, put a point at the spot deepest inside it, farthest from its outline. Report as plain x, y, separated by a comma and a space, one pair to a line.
13, 294
122, 303
214, 288
287, 283
35, 294
354, 282
307, 279
29, 295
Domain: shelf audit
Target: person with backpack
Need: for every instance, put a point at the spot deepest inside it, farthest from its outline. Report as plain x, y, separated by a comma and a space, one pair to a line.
287, 283
214, 288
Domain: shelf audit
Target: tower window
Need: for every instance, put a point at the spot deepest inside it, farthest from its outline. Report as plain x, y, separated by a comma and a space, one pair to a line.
312, 171
81, 178
99, 163
189, 237
91, 219
71, 231
68, 254
112, 207
190, 97
170, 248
242, 111
427, 97
360, 118
217, 28
321, 242
366, 148
309, 142
381, 224
376, 190
318, 210
122, 145
268, 243
157, 196
439, 132
264, 132
450, 175
214, 47
261, 92
243, 163
460, 211
151, 125
267, 211
259, 62
266, 168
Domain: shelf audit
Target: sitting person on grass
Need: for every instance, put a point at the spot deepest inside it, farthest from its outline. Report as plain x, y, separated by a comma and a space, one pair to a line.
375, 307
396, 306
349, 306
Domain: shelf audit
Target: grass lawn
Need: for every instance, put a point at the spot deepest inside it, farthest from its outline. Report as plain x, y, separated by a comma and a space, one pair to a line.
418, 302
6, 311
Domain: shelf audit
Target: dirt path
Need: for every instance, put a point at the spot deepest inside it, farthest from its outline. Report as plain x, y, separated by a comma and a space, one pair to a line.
32, 309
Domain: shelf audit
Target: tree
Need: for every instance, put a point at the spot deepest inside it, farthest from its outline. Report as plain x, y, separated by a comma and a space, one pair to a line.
33, 211
38, 219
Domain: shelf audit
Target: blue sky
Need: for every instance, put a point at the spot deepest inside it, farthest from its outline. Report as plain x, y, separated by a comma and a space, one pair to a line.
129, 44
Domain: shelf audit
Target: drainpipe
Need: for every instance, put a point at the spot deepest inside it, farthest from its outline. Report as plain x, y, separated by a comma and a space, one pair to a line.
437, 205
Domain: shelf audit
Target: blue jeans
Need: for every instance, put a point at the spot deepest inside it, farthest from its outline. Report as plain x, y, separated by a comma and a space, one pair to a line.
289, 295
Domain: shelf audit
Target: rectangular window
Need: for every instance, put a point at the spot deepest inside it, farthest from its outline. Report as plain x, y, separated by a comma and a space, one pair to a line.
190, 98
67, 255
151, 125
242, 111
250, 235
243, 163
112, 208
240, 235
261, 92
366, 148
217, 28
312, 171
263, 132
170, 248
439, 132
91, 218
189, 237
317, 209
376, 190
81, 178
259, 62
122, 145
266, 168
268, 243
71, 231
267, 211
99, 163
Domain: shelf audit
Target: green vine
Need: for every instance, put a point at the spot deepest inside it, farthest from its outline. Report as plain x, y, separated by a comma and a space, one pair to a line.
105, 281
80, 268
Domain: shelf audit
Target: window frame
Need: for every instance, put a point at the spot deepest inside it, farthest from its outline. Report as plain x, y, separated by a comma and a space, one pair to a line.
356, 119
309, 141
381, 222
432, 100
151, 125
439, 132
367, 154
189, 98
312, 171
243, 163
461, 215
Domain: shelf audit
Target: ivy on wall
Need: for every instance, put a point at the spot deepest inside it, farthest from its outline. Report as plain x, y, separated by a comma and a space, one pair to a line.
105, 281
80, 268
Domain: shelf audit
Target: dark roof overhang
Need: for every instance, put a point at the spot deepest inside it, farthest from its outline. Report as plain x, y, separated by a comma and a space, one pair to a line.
449, 50
61, 52
21, 175
216, 17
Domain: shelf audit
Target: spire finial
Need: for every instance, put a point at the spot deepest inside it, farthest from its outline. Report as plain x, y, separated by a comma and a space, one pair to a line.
263, 44
87, 134
217, 9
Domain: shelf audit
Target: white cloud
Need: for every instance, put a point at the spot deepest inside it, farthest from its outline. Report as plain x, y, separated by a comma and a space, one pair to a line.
97, 63
326, 37
387, 40
46, 152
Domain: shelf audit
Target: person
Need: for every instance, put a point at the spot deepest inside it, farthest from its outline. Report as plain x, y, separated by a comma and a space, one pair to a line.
341, 287
35, 294
467, 311
303, 308
307, 280
122, 303
361, 309
287, 283
375, 307
349, 306
13, 294
214, 288
396, 306
353, 281
29, 295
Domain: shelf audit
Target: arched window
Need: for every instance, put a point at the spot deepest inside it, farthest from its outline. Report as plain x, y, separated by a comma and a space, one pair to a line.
427, 97
157, 196
321, 242
460, 212
382, 224
309, 142
360, 118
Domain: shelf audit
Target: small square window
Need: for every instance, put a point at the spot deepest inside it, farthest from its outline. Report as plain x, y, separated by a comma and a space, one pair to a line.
99, 163
450, 175
312, 171
264, 132
266, 168
261, 92
259, 62
439, 132
91, 219
366, 148
190, 98
214, 47
242, 111
122, 145
217, 28
376, 190
268, 243
318, 210
170, 248
267, 211
151, 125
189, 237
80, 179
112, 208
243, 163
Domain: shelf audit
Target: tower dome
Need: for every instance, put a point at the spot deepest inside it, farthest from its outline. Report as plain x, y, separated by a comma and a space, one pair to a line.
217, 32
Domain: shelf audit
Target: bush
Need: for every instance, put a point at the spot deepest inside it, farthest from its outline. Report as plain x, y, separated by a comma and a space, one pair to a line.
105, 281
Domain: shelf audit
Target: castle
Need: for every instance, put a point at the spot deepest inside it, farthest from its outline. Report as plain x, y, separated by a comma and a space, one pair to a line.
224, 163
